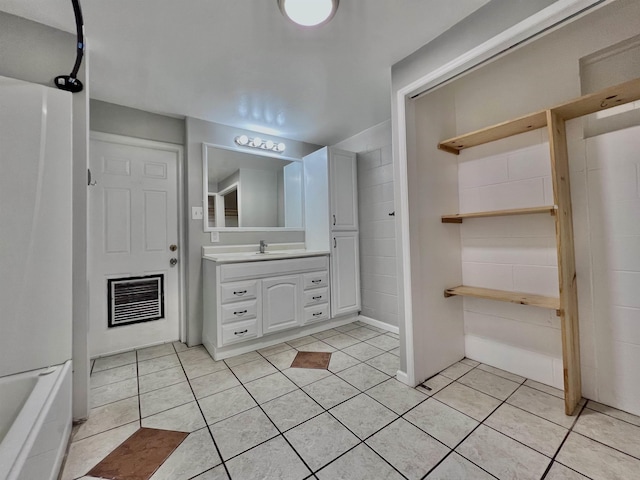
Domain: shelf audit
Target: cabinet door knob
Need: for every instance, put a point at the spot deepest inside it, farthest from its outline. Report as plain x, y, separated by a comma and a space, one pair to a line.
242, 332
241, 312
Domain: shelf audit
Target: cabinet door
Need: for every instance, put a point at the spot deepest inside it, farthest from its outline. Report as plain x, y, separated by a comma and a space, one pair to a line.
344, 190
345, 273
281, 303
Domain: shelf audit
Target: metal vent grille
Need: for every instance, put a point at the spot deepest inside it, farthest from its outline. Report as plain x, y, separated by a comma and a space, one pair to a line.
135, 299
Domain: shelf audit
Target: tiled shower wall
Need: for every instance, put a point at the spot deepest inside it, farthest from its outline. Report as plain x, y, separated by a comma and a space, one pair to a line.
378, 263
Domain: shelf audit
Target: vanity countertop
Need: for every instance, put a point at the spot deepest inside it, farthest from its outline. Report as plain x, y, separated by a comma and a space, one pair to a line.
238, 257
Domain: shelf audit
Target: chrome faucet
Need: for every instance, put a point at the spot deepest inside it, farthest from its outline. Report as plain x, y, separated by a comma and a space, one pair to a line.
263, 245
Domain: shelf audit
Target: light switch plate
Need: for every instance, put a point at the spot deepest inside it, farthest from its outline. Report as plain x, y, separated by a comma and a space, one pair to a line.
215, 237
196, 213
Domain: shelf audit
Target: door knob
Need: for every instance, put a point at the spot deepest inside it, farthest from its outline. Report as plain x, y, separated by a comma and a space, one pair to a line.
173, 262
173, 247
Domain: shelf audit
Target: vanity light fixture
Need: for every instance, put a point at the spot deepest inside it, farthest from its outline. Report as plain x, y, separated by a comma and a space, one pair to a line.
308, 13
257, 142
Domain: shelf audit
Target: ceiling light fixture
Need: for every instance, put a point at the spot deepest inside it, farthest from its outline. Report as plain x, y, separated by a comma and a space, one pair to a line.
308, 13
257, 142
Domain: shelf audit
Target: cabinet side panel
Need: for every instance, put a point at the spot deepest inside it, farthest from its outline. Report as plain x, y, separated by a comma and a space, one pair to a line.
316, 200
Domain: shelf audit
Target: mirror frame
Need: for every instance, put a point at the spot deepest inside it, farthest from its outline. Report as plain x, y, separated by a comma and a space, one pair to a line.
205, 191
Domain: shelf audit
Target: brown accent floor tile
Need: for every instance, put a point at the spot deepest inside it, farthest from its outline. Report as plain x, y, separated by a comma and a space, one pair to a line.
139, 456
318, 360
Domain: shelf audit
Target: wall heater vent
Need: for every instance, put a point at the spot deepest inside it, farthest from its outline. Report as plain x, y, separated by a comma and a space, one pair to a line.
135, 299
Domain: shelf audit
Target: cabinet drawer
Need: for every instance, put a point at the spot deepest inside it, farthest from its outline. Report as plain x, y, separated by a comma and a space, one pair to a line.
239, 311
315, 280
271, 268
236, 292
316, 313
239, 331
316, 296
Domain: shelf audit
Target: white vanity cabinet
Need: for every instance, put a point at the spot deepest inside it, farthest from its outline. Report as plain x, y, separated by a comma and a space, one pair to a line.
343, 189
248, 300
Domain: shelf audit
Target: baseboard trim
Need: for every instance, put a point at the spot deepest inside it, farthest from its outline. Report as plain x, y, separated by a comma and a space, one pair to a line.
379, 324
402, 377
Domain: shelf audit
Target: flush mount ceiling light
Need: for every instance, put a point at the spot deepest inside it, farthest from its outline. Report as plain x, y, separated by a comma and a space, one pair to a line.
308, 13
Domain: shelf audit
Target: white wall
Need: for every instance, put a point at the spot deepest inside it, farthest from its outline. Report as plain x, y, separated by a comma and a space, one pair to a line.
516, 253
378, 262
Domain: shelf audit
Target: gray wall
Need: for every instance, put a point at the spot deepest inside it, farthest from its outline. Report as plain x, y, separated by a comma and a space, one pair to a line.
36, 53
197, 132
131, 122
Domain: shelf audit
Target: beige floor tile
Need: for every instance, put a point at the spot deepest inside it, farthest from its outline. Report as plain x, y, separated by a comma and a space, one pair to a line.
273, 349
225, 404
291, 409
468, 361
298, 342
242, 432
317, 346
501, 373
533, 431
502, 456
195, 455
185, 418
395, 351
244, 358
180, 347
165, 398
346, 328
363, 351
112, 361
556, 392
271, 460
407, 448
321, 440
614, 412
283, 360
489, 383
362, 333
203, 367
361, 463
113, 392
560, 472
434, 384
247, 372
341, 361
330, 391
615, 433
541, 404
363, 415
158, 363
341, 341
386, 363
363, 376
326, 334
475, 404
384, 342
108, 417
155, 351
597, 461
455, 467
113, 375
194, 355
456, 370
213, 383
270, 387
217, 473
396, 396
87, 453
305, 376
441, 422
163, 378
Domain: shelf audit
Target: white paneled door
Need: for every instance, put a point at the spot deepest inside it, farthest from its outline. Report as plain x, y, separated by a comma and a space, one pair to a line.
133, 244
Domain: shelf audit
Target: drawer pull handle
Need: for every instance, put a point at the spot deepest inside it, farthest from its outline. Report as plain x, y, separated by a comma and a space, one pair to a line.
240, 292
316, 298
317, 314
241, 332
241, 312
316, 281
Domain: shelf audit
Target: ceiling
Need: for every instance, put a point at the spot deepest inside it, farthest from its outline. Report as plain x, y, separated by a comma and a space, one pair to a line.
240, 63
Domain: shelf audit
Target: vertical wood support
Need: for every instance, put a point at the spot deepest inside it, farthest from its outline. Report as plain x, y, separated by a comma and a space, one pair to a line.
566, 262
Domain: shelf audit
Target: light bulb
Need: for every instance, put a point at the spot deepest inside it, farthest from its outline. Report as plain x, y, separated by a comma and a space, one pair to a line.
281, 147
242, 140
308, 13
268, 145
256, 142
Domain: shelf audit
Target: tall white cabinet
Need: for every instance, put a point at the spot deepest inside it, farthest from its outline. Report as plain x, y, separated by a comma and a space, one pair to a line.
331, 216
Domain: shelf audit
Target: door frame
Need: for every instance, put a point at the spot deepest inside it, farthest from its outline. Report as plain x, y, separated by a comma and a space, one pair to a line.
182, 257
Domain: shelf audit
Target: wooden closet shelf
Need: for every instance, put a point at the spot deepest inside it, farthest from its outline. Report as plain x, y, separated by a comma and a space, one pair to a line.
505, 296
585, 105
458, 217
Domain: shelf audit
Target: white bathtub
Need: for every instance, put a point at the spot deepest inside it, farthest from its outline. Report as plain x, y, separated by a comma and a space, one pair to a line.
35, 422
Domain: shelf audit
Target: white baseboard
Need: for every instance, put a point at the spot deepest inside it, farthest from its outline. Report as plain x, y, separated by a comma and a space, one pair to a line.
403, 378
534, 365
379, 324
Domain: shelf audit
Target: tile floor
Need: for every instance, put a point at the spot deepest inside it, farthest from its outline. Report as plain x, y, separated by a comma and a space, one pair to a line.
253, 417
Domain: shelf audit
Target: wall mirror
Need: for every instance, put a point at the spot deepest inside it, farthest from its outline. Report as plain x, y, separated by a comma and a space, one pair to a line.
251, 191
